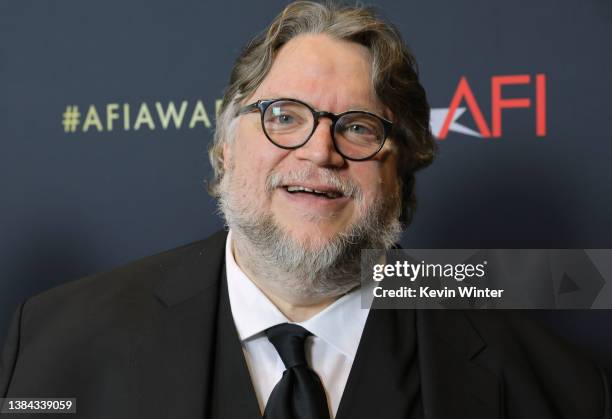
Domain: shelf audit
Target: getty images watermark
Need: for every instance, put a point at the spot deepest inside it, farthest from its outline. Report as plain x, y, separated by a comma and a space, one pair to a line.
487, 278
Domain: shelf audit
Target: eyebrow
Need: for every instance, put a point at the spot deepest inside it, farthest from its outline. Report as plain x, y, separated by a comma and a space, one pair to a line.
353, 107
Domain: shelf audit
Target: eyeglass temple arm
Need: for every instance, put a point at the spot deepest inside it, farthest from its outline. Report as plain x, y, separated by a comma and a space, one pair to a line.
248, 108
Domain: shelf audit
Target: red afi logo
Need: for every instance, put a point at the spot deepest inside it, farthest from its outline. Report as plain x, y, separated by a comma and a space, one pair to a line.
444, 120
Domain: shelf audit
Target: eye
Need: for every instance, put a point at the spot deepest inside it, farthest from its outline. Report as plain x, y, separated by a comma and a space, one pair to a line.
358, 129
282, 116
284, 119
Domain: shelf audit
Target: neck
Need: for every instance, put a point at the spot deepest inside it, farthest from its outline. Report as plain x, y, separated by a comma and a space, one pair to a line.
295, 307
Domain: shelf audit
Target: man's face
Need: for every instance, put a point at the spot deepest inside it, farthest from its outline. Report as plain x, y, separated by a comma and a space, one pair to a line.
330, 75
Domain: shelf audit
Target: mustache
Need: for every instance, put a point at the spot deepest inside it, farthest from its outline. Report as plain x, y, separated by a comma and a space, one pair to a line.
328, 177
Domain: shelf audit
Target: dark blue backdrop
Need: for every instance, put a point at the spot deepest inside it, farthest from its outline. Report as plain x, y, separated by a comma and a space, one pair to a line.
75, 203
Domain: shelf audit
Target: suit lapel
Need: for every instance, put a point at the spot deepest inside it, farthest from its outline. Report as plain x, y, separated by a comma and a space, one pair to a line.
453, 383
384, 380
234, 396
173, 357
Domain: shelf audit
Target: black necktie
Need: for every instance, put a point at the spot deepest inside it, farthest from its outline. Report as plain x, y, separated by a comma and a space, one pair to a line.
299, 394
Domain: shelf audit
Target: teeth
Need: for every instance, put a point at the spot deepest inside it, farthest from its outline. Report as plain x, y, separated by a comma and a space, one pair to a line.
298, 189
304, 189
330, 194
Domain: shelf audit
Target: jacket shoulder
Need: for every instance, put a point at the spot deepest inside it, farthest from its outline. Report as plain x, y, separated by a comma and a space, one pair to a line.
531, 361
124, 293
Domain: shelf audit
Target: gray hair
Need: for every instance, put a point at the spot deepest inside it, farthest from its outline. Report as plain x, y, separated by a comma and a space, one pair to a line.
394, 73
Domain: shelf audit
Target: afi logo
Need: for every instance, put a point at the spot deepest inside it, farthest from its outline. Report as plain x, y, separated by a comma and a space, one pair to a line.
444, 120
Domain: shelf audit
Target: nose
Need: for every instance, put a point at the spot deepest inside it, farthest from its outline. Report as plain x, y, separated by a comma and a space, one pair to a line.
320, 148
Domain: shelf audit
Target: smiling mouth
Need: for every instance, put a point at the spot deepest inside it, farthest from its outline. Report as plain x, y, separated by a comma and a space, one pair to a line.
328, 194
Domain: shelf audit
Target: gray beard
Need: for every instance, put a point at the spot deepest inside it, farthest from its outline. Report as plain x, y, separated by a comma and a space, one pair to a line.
300, 270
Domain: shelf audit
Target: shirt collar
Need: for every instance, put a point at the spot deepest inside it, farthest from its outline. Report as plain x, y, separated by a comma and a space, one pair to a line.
340, 324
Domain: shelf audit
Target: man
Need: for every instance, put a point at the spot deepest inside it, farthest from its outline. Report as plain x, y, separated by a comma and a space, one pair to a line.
322, 128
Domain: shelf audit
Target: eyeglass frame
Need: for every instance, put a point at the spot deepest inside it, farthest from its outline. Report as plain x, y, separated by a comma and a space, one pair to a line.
263, 104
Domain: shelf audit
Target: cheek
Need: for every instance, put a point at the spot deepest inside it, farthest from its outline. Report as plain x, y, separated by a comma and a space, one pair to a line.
254, 157
389, 171
390, 180
377, 179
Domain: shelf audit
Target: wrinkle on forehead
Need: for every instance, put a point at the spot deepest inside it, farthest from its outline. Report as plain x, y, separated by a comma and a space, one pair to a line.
329, 74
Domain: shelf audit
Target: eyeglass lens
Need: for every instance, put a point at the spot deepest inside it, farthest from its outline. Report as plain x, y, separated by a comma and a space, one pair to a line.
289, 124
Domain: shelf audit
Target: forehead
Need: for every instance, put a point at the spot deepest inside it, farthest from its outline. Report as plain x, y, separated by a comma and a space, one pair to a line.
328, 73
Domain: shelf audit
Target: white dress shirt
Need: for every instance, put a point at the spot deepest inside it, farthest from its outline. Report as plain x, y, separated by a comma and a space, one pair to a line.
330, 352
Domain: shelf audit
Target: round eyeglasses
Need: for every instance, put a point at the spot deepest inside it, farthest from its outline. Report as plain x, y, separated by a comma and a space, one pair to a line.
289, 124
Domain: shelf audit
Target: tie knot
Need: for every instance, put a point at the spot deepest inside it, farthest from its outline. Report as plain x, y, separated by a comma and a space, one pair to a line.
288, 339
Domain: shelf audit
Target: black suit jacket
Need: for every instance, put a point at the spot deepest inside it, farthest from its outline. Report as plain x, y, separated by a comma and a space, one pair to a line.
155, 339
